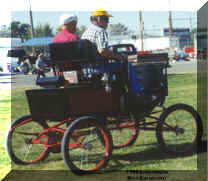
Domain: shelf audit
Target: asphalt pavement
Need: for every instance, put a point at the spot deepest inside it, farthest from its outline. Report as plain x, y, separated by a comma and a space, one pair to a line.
183, 67
20, 80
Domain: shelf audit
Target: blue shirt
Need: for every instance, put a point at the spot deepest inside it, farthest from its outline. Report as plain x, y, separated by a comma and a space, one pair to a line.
40, 64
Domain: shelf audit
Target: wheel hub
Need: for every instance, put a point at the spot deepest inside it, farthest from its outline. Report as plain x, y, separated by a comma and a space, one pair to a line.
179, 130
55, 137
88, 146
28, 141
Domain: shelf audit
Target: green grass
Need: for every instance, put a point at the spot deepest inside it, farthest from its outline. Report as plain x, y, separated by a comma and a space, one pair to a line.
143, 155
182, 88
5, 117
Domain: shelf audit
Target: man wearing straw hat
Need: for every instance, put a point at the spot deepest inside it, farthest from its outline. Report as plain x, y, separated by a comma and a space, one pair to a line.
96, 33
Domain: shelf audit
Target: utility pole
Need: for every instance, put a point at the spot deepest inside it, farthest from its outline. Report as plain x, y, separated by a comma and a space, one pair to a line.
32, 27
170, 25
31, 20
141, 27
190, 22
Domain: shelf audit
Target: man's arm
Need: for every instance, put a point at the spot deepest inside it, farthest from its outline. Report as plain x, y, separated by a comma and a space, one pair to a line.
37, 65
111, 55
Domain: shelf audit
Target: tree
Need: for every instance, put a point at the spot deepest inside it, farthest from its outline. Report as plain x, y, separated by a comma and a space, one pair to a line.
58, 29
5, 31
43, 30
4, 28
118, 29
15, 29
24, 30
80, 30
19, 30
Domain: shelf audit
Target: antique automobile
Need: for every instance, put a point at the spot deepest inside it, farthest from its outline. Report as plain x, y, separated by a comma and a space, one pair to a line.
85, 117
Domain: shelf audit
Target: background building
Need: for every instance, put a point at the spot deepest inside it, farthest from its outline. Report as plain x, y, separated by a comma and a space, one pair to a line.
183, 35
5, 45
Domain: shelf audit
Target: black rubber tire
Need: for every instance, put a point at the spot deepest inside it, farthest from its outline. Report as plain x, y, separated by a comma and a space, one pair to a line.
12, 137
184, 147
86, 122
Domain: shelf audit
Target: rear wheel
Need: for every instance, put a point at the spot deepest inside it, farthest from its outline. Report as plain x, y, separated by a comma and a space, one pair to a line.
82, 146
124, 133
25, 144
179, 129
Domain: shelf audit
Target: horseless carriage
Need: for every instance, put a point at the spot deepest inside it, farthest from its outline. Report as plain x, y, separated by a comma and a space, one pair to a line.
104, 109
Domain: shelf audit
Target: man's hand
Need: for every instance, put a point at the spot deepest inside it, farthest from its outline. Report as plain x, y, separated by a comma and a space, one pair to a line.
42, 70
112, 55
124, 56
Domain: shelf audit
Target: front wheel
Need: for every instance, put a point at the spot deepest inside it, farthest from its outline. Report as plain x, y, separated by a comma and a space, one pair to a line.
179, 129
82, 145
25, 144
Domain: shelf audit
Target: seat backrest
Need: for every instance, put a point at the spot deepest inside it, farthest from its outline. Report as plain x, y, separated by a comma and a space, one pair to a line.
155, 58
69, 52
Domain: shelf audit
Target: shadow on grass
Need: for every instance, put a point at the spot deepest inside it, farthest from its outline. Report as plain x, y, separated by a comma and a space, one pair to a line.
151, 155
174, 74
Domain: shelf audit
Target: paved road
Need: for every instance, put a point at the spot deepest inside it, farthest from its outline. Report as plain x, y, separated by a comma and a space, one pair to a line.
5, 81
20, 80
183, 67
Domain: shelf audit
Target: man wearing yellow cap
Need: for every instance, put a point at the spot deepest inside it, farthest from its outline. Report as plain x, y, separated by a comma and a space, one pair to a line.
96, 33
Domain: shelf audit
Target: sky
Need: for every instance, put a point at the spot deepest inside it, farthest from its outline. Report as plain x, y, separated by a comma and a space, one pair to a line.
153, 20
155, 12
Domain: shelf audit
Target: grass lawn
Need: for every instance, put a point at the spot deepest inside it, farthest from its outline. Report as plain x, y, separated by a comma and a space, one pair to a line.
143, 155
5, 116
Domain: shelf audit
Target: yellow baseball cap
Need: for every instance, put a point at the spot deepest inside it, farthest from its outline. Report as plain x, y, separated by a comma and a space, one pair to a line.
101, 12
